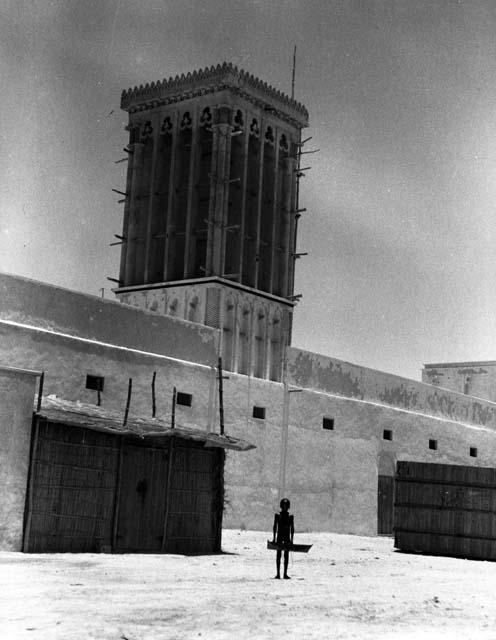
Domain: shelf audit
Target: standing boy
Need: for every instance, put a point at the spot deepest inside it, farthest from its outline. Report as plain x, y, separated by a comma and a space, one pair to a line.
283, 533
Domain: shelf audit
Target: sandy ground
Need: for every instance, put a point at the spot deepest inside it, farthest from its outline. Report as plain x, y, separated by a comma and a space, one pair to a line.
345, 587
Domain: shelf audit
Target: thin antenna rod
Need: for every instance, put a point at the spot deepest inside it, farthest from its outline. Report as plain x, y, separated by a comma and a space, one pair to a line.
293, 77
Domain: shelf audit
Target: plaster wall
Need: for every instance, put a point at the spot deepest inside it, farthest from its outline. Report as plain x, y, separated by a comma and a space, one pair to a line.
332, 482
17, 389
252, 481
321, 373
252, 478
472, 378
66, 362
41, 305
331, 475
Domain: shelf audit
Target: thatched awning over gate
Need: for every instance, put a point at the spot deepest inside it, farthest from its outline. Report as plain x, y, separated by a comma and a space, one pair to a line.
98, 419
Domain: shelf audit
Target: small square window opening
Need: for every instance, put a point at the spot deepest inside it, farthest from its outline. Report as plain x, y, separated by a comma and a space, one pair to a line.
473, 452
433, 445
95, 383
328, 423
387, 434
259, 412
184, 399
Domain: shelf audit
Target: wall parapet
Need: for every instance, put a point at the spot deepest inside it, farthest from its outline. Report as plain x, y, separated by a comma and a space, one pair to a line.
44, 306
322, 373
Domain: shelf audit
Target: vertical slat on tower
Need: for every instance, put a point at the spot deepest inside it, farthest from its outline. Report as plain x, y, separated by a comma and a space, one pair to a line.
220, 185
130, 233
170, 199
290, 265
161, 190
151, 199
193, 161
251, 203
259, 203
131, 168
276, 226
287, 205
141, 201
242, 228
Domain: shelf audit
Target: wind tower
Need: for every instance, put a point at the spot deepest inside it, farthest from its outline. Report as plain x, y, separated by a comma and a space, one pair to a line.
211, 209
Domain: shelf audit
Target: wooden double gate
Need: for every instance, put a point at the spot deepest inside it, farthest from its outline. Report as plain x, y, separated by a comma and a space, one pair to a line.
446, 509
91, 491
385, 502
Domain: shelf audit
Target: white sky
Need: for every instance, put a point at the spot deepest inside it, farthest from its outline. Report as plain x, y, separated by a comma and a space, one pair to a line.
400, 226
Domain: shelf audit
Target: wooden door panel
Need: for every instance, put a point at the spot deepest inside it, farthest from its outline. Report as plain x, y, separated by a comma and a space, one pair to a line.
385, 499
71, 492
194, 494
142, 499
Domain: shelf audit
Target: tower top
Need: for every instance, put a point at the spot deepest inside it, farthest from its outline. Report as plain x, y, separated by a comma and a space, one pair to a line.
213, 80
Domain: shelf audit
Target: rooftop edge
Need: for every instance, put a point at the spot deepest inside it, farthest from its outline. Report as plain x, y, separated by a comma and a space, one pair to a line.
475, 363
222, 76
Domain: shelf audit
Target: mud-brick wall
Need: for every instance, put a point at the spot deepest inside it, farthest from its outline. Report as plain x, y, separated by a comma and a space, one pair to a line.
17, 390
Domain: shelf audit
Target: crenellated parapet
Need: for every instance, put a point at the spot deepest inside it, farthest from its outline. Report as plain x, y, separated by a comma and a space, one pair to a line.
213, 80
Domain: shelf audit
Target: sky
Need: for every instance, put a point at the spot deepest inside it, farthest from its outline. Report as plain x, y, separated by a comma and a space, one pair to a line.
400, 225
